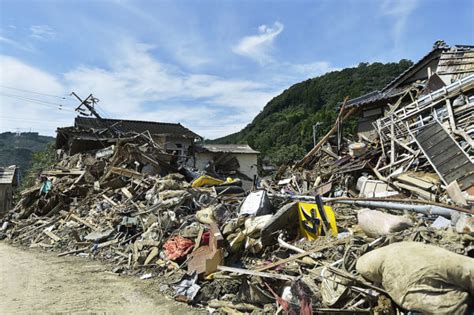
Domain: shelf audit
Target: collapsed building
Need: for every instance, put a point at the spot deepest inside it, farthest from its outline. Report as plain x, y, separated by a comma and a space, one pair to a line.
378, 224
441, 67
9, 179
421, 120
236, 160
91, 133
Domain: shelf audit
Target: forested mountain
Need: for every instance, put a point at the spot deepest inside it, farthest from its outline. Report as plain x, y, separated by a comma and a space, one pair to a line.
18, 149
282, 131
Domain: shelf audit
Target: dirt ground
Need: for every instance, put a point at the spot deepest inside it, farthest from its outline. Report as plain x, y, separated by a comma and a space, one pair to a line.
36, 282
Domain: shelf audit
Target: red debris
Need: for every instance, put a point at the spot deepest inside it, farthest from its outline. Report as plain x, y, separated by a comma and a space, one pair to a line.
178, 247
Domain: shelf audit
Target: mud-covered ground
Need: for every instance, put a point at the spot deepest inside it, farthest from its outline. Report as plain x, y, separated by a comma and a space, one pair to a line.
32, 281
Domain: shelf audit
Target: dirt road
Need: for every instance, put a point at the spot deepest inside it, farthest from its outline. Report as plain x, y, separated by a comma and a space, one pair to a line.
32, 281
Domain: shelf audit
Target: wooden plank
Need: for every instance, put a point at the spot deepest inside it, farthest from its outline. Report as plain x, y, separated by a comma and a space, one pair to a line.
448, 160
73, 251
466, 181
84, 222
75, 172
414, 180
445, 157
126, 192
51, 235
113, 203
457, 173
108, 243
435, 140
126, 172
255, 273
442, 149
457, 162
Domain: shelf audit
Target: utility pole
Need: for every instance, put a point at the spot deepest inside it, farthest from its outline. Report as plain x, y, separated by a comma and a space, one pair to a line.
315, 128
89, 103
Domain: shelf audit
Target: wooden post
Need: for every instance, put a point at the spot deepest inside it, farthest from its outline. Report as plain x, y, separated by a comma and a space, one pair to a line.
392, 142
339, 118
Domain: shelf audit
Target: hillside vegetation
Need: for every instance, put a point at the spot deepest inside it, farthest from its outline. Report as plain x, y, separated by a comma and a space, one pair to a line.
18, 149
282, 131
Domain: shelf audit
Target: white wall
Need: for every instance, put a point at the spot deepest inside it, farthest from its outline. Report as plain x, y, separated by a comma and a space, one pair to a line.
247, 162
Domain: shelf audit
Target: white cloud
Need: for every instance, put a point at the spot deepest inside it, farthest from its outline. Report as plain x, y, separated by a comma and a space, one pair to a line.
17, 45
312, 69
258, 47
136, 85
30, 111
400, 12
184, 42
42, 32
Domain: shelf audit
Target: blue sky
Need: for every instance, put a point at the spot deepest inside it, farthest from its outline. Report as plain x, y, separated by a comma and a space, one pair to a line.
211, 65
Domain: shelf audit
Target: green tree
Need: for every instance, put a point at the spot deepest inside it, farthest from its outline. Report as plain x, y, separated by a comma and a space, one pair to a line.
283, 130
39, 161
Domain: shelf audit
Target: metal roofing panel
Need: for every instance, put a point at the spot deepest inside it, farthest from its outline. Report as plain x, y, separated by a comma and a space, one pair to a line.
230, 148
7, 174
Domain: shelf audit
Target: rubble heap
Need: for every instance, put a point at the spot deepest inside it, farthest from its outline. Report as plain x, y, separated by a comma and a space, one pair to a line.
369, 226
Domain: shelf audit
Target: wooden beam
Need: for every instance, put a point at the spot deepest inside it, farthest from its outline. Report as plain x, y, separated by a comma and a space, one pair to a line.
256, 273
51, 235
340, 118
298, 256
84, 222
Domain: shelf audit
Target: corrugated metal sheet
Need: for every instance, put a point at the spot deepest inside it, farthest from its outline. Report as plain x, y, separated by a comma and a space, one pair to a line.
7, 174
229, 148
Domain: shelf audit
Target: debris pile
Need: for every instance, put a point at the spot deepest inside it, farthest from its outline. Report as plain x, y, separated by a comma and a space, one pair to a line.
380, 225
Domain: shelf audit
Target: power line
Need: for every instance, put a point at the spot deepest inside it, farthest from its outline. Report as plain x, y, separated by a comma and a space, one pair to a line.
33, 99
9, 118
33, 92
39, 102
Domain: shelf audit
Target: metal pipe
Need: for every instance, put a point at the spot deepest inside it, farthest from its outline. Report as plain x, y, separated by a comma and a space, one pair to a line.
425, 209
289, 246
395, 200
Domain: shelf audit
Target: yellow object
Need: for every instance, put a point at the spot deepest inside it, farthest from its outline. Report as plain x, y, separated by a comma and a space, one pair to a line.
311, 221
206, 181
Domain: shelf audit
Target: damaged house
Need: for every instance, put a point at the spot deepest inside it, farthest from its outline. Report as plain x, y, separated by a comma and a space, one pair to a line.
95, 133
9, 179
178, 143
237, 160
441, 67
346, 230
424, 118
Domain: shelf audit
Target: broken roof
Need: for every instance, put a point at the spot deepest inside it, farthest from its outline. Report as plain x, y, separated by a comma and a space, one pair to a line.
455, 60
229, 148
7, 174
124, 125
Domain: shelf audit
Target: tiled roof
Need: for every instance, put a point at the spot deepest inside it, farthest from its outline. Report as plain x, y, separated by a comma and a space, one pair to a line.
135, 125
373, 97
